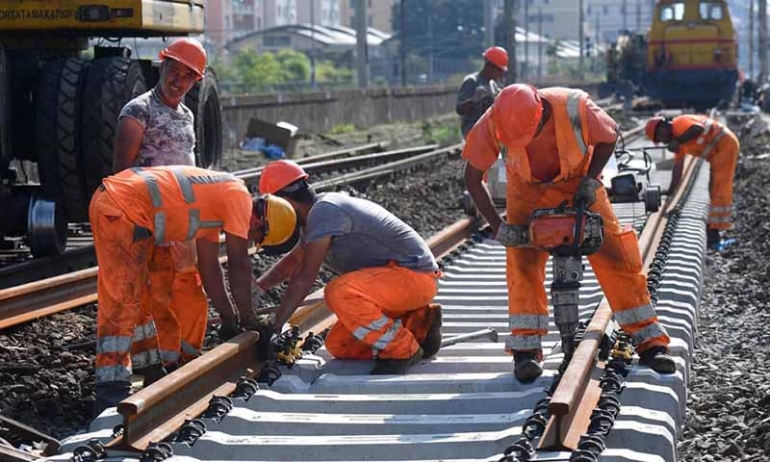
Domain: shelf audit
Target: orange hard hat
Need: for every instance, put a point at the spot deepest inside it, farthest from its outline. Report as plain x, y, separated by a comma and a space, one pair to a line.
652, 125
279, 174
189, 52
516, 113
497, 56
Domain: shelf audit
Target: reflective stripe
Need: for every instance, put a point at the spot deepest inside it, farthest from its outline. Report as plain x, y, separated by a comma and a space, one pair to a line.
113, 344
184, 184
648, 332
211, 179
160, 227
636, 315
373, 326
721, 209
152, 186
112, 374
193, 223
146, 359
169, 356
718, 219
523, 342
145, 331
189, 349
528, 321
710, 146
388, 336
573, 110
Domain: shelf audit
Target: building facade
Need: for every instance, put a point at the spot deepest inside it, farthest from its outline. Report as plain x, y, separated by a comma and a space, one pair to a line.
378, 12
321, 12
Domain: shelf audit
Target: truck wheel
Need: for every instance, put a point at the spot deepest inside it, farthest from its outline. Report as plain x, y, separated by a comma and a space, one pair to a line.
57, 144
203, 101
111, 83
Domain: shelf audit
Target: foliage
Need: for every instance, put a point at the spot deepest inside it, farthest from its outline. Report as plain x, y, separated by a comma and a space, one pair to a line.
340, 129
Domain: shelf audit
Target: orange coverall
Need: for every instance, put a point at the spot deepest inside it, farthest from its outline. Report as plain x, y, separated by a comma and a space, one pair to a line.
720, 147
542, 175
130, 212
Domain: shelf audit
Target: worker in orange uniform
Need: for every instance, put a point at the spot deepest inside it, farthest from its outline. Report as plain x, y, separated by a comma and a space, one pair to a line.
478, 90
139, 208
156, 129
556, 142
701, 136
388, 275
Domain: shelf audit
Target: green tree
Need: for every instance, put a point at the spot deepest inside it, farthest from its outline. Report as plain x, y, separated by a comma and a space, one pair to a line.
295, 65
257, 72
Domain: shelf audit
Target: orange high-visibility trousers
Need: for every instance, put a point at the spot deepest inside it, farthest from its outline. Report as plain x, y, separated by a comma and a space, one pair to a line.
381, 312
122, 277
179, 308
617, 265
723, 162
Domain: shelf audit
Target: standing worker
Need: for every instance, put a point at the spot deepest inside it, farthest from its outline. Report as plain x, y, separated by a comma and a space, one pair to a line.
388, 275
478, 90
156, 129
556, 143
701, 136
139, 208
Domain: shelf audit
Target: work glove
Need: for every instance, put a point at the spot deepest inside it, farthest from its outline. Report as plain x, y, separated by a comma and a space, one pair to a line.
228, 328
265, 325
512, 235
673, 146
586, 192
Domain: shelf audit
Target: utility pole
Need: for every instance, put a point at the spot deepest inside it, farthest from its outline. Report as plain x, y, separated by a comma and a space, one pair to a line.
312, 45
402, 47
539, 46
489, 23
509, 21
582, 38
638, 16
751, 39
763, 71
430, 42
525, 64
623, 13
362, 52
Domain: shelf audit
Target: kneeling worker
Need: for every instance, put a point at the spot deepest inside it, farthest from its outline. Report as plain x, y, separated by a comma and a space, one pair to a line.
388, 275
141, 207
556, 143
700, 136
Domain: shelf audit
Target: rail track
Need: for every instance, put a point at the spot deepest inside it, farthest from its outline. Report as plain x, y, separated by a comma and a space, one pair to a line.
462, 405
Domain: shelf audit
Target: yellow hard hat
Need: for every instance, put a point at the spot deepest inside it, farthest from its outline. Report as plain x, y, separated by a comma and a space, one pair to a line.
278, 217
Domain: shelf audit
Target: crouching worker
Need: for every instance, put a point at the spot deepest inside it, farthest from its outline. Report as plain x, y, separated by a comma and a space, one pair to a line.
141, 207
387, 274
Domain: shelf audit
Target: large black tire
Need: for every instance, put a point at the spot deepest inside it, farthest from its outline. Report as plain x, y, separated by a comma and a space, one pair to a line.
5, 119
111, 83
58, 142
203, 101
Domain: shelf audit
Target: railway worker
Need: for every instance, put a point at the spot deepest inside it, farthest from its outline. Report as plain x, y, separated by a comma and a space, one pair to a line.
141, 207
156, 129
387, 274
478, 90
556, 142
701, 136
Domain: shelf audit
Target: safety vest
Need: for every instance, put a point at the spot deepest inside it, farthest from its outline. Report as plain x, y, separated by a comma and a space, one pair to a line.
173, 203
569, 113
704, 145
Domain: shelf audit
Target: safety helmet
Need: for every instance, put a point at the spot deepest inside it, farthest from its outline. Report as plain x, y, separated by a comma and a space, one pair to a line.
279, 174
279, 220
652, 126
516, 113
497, 56
189, 52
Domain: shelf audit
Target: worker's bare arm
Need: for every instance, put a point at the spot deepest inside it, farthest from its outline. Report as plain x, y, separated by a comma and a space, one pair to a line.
676, 175
303, 278
128, 139
283, 269
239, 275
602, 154
480, 195
212, 277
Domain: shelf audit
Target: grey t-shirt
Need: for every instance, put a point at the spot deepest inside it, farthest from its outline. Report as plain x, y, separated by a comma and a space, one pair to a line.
365, 235
169, 134
467, 89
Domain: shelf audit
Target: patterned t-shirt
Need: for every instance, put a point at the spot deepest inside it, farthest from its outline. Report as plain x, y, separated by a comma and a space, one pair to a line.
169, 134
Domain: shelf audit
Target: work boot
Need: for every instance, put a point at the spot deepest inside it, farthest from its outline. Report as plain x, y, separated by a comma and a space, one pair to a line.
432, 342
109, 394
152, 374
713, 238
525, 367
396, 366
658, 359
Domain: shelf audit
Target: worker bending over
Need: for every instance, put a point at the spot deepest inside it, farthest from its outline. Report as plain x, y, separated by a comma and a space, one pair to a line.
701, 136
139, 208
556, 142
478, 90
387, 274
156, 129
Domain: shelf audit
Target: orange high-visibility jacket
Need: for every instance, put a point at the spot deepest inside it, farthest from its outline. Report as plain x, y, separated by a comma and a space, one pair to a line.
180, 203
702, 146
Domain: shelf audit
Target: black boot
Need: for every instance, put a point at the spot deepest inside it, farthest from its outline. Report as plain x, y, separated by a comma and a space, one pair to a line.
432, 342
526, 368
713, 238
109, 394
658, 359
396, 366
152, 374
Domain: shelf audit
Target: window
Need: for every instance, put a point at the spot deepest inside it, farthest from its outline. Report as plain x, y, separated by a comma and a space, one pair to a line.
589, 10
672, 12
712, 11
605, 10
276, 41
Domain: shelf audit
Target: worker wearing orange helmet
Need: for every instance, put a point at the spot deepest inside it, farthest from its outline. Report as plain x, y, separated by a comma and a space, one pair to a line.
387, 274
556, 142
156, 129
478, 90
707, 138
139, 208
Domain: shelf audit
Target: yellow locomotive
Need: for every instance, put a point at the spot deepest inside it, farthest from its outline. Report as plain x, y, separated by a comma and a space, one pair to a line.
691, 53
